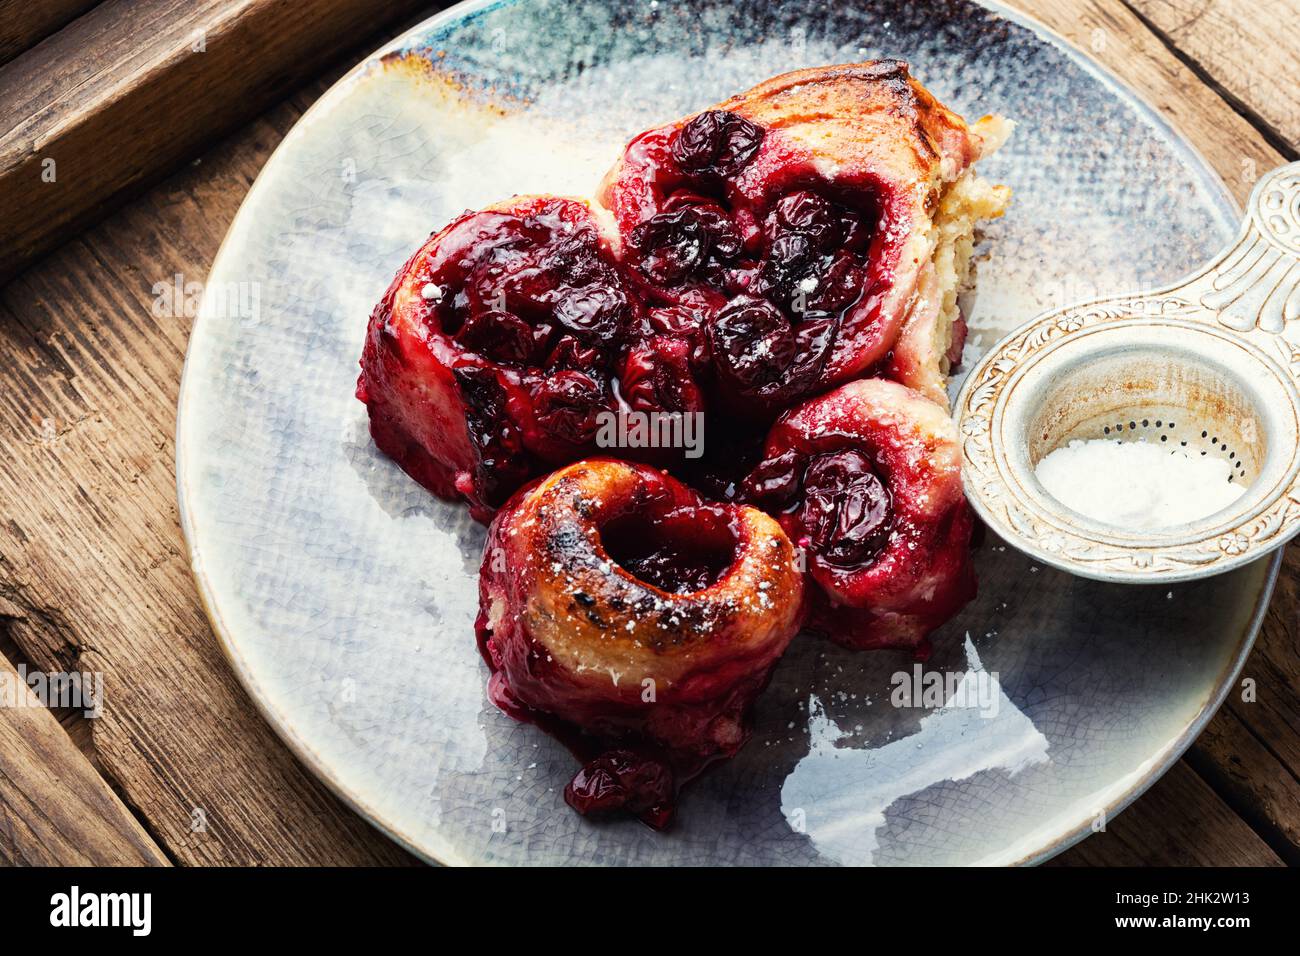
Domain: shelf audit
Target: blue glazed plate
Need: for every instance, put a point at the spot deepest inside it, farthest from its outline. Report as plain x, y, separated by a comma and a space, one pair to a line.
344, 594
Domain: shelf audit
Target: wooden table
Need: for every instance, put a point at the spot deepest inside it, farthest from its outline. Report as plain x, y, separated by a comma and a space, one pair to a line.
94, 574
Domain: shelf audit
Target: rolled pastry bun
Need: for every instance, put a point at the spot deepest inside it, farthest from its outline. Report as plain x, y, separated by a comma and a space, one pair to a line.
850, 202
635, 620
866, 480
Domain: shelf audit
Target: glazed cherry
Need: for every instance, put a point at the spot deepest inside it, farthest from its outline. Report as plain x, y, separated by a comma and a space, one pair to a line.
677, 551
808, 215
672, 245
503, 464
593, 313
752, 343
760, 355
846, 507
685, 323
656, 377
568, 405
500, 336
716, 143
775, 482
622, 780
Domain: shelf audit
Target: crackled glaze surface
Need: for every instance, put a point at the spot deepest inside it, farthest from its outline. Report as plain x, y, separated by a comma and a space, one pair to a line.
345, 594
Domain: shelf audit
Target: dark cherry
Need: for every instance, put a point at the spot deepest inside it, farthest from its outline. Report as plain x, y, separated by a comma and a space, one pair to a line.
724, 238
657, 377
570, 352
716, 143
502, 465
627, 781
667, 570
686, 323
775, 482
839, 285
576, 260
672, 245
674, 550
788, 260
814, 338
846, 507
763, 356
808, 215
568, 405
752, 342
593, 313
498, 335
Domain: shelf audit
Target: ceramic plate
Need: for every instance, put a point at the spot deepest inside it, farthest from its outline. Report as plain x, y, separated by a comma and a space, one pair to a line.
345, 595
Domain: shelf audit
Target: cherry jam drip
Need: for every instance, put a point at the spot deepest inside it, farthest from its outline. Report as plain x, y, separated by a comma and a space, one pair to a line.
624, 781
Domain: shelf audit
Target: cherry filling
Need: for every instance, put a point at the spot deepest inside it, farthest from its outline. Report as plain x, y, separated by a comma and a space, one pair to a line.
867, 478
716, 143
839, 501
624, 781
770, 273
680, 551
530, 312
846, 508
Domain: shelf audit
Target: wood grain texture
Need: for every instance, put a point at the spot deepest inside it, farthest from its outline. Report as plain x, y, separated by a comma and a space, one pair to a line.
93, 567
1232, 46
1180, 821
93, 571
55, 808
1115, 36
23, 24
157, 79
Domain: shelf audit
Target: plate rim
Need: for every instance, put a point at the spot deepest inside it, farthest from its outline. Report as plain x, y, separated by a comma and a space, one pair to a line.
448, 854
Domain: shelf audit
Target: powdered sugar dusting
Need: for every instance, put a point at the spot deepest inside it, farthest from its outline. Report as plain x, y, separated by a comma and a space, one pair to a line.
1137, 484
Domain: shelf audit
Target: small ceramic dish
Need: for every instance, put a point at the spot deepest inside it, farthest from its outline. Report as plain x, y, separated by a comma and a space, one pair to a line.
1207, 363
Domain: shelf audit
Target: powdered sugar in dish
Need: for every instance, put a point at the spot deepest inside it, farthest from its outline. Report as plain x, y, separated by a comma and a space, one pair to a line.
1137, 484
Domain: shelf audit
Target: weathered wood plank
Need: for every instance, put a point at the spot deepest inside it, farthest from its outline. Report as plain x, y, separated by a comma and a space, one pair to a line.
1244, 771
55, 808
23, 24
1180, 821
1112, 34
93, 567
1233, 45
176, 74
